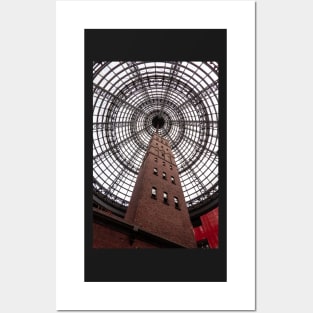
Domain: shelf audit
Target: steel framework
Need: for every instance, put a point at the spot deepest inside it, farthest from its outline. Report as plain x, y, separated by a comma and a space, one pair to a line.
130, 101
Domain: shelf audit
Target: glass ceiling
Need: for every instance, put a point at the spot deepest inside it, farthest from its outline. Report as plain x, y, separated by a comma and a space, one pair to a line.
129, 100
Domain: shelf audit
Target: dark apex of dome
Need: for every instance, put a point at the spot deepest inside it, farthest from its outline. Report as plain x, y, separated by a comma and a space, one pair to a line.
158, 122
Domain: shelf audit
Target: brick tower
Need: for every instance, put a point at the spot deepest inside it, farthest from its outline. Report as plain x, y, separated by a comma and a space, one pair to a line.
157, 204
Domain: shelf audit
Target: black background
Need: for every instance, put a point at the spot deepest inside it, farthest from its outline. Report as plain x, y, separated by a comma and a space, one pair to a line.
161, 265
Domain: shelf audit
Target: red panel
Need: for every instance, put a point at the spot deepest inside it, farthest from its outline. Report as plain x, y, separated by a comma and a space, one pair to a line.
199, 233
208, 229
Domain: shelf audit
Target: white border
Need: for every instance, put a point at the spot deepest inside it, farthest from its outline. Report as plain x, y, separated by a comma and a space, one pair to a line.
238, 17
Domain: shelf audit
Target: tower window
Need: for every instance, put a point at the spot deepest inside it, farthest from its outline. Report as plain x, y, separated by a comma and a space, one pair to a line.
171, 167
164, 175
176, 203
172, 179
165, 199
156, 159
153, 192
155, 171
163, 163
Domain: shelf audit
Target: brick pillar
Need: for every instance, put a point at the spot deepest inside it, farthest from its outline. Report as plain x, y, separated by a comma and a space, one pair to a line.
163, 218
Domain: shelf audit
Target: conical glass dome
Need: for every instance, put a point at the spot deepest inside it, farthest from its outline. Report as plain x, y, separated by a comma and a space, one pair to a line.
133, 99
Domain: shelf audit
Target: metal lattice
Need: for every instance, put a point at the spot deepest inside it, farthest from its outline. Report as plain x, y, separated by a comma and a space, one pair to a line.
131, 99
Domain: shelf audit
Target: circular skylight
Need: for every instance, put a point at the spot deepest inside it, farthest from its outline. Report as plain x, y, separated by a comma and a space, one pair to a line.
131, 100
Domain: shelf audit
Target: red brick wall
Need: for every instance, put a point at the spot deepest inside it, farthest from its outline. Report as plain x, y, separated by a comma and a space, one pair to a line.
153, 215
106, 237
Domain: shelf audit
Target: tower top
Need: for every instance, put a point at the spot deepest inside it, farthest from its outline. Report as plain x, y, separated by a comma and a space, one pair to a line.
158, 137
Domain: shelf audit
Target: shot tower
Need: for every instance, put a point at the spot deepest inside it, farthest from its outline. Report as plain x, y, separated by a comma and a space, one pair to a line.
157, 204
